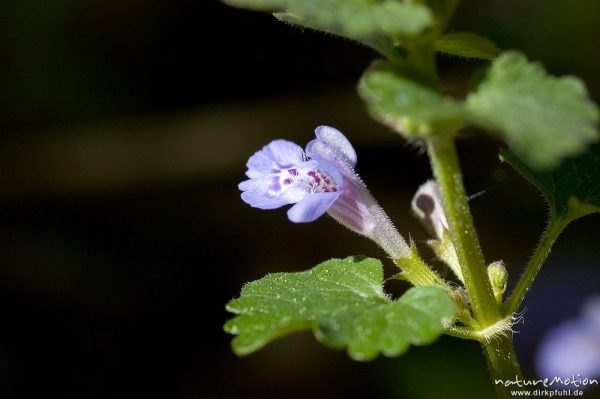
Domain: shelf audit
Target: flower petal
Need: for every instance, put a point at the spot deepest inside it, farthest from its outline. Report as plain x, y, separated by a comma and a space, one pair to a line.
284, 153
311, 207
571, 348
261, 193
275, 155
259, 164
332, 145
258, 200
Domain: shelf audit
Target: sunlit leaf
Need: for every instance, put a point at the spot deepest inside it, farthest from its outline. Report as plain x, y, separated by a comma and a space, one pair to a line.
343, 303
543, 119
406, 106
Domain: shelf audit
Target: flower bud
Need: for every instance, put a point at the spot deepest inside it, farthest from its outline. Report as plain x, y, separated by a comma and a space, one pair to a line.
498, 278
427, 207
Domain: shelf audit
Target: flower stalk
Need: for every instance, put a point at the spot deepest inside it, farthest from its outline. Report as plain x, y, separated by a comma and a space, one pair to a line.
416, 272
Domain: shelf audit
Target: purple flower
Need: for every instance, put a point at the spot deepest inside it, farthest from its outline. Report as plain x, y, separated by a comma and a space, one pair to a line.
572, 348
318, 181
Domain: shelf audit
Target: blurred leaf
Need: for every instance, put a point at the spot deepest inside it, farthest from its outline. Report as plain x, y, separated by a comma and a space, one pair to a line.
573, 189
343, 302
542, 118
354, 19
443, 9
469, 45
406, 106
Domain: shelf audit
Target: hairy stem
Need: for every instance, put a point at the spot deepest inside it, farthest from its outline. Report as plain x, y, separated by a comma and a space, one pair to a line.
555, 227
502, 363
493, 331
446, 169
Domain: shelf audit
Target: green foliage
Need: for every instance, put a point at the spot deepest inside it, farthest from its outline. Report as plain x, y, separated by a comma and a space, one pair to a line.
573, 189
468, 45
354, 19
343, 302
542, 118
406, 106
443, 10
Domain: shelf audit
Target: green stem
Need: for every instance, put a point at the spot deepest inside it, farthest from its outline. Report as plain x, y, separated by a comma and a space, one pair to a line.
446, 169
493, 332
554, 229
502, 363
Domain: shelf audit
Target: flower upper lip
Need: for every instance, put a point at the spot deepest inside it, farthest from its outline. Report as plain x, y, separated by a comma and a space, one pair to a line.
333, 145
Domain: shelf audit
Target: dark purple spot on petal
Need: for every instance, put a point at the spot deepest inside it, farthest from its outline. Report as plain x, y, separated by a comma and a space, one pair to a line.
287, 182
275, 186
293, 172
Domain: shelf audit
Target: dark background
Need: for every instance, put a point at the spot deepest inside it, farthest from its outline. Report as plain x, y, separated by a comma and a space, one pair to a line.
125, 127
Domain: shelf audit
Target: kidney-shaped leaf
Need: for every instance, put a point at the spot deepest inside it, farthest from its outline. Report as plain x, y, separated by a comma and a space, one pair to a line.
406, 106
342, 301
543, 119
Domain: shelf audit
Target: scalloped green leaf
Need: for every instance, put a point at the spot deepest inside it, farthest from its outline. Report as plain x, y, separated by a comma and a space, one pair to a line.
354, 19
406, 106
543, 119
468, 45
342, 301
572, 190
